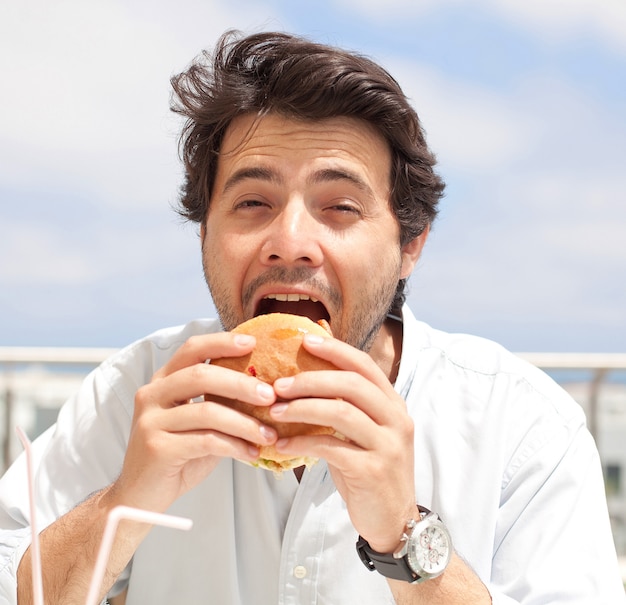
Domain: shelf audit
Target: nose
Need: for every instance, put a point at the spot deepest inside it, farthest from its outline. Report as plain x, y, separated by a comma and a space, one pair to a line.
293, 237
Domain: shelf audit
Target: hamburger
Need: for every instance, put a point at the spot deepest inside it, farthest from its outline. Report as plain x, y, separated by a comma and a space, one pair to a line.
278, 353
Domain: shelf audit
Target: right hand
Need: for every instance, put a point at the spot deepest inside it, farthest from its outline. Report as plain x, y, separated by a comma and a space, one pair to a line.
175, 443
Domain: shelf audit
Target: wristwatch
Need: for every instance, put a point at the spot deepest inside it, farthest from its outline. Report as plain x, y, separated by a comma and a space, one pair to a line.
424, 552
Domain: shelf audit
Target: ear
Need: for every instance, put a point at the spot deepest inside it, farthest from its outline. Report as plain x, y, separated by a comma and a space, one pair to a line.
411, 253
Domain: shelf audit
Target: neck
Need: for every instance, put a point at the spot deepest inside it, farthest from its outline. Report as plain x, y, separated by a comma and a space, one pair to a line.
387, 348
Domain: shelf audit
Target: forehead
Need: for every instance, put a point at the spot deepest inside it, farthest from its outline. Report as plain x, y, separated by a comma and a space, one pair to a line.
297, 145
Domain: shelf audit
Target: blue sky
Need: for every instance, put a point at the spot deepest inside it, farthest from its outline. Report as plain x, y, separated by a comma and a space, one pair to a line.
524, 103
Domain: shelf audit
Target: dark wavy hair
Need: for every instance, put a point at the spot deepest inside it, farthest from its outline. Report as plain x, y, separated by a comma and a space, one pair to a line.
292, 76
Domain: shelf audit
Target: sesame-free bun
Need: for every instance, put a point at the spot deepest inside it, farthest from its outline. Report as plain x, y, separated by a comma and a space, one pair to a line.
278, 353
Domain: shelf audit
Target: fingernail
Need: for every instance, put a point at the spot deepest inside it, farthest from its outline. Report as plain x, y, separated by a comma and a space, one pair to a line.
268, 433
243, 340
265, 391
314, 339
278, 408
281, 443
284, 383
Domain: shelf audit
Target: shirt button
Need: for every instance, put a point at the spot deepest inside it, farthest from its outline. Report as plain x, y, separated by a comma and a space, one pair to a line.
299, 571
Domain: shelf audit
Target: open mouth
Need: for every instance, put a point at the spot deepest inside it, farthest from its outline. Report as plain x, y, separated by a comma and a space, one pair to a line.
296, 304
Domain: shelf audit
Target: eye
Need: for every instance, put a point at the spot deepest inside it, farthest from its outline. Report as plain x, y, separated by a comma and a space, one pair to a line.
344, 210
345, 207
250, 204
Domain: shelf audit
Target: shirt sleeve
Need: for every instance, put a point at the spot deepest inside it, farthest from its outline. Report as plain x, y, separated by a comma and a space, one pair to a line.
13, 545
79, 455
555, 542
504, 455
84, 451
15, 531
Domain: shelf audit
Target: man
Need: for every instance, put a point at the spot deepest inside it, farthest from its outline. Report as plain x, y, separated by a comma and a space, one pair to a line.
308, 174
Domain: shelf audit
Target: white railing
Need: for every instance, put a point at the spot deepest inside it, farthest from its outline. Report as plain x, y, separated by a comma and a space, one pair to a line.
69, 356
16, 362
15, 359
599, 364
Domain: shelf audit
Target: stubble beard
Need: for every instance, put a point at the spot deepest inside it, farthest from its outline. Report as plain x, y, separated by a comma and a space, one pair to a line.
369, 315
366, 319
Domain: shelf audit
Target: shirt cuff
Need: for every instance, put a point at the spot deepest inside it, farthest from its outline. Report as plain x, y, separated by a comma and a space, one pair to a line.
13, 545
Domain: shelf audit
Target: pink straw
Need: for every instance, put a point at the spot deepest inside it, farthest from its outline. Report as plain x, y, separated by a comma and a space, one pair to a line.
35, 555
115, 516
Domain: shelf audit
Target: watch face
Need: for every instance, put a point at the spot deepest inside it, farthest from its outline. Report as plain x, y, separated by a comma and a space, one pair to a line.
429, 550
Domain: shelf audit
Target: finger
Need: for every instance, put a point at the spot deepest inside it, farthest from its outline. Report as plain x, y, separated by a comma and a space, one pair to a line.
207, 416
194, 445
335, 450
198, 430
200, 379
173, 452
339, 414
360, 443
227, 446
234, 435
198, 349
348, 358
380, 406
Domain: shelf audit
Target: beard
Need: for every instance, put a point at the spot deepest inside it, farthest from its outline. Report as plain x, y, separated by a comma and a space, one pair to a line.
358, 327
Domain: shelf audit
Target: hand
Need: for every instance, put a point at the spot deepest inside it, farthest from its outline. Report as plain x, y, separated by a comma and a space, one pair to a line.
373, 467
175, 442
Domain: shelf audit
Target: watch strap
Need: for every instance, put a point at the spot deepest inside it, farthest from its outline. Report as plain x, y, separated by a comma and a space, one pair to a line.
384, 563
387, 564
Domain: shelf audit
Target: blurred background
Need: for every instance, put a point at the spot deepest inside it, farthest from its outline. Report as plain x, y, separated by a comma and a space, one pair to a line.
524, 103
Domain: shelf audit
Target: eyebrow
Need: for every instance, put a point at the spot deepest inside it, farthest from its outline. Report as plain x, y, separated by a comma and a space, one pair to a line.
325, 175
328, 175
257, 173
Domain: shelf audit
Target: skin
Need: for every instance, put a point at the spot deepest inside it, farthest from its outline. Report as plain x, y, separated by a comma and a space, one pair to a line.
295, 201
300, 207
297, 207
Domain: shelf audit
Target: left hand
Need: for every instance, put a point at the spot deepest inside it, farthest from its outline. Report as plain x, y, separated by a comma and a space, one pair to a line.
373, 467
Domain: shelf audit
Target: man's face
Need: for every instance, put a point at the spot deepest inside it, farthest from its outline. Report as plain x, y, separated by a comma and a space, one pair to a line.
300, 222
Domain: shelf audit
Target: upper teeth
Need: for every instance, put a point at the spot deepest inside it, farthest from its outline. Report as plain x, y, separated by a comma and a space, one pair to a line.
291, 297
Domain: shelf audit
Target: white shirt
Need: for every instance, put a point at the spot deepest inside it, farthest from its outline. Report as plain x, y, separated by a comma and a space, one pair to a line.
501, 453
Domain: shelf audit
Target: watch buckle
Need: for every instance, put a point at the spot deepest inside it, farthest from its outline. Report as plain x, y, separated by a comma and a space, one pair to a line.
360, 548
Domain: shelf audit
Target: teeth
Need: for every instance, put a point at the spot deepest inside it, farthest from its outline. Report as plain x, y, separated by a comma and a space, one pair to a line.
291, 297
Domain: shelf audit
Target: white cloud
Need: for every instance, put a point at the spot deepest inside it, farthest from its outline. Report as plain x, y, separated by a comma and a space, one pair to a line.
85, 129
71, 66
605, 20
38, 255
535, 226
550, 20
391, 9
86, 94
469, 127
537, 221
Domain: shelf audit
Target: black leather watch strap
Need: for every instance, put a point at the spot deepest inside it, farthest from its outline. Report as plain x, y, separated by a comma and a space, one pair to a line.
384, 563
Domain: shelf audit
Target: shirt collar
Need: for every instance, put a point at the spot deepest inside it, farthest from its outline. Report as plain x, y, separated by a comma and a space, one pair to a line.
410, 347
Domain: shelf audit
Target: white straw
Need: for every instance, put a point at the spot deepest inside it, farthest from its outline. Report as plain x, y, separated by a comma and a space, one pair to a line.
115, 516
35, 556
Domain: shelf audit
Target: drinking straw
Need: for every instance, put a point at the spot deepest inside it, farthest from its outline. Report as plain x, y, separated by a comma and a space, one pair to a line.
115, 516
35, 555
113, 519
